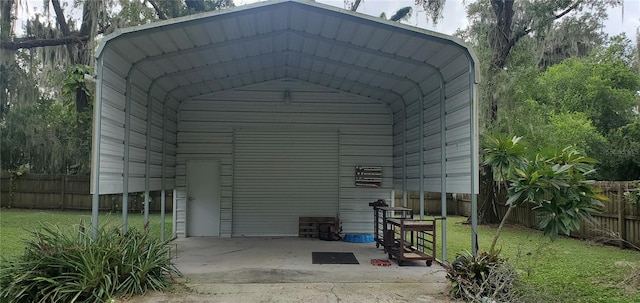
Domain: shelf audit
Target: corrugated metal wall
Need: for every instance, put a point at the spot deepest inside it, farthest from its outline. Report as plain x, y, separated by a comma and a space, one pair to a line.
209, 125
452, 86
151, 132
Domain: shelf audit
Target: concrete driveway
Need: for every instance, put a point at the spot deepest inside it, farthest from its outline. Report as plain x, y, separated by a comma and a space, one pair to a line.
280, 269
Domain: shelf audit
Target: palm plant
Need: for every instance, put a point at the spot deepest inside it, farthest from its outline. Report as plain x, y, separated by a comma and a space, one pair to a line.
555, 183
504, 155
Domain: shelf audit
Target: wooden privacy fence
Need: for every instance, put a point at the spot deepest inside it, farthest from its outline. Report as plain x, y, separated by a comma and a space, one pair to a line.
618, 223
432, 203
65, 192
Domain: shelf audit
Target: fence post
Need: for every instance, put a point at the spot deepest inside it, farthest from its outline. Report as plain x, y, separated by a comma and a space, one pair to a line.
11, 189
621, 212
64, 189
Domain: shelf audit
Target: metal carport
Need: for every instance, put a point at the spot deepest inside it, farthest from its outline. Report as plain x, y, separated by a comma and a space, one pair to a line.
144, 75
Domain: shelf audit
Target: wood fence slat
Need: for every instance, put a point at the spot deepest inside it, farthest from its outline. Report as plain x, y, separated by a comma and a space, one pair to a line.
70, 192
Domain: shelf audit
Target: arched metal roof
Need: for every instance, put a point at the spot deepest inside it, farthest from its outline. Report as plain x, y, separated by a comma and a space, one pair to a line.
320, 44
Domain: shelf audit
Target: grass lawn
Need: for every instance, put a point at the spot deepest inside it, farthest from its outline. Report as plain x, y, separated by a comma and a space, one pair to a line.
15, 225
564, 270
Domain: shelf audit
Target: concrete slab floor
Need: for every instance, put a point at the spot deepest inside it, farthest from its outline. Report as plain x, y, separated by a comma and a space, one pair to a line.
280, 269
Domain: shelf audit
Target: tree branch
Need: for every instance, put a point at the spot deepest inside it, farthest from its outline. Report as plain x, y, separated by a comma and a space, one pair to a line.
64, 27
518, 35
28, 44
568, 10
159, 12
354, 6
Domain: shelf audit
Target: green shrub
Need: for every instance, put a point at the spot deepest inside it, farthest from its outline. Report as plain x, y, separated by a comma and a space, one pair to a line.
482, 278
68, 266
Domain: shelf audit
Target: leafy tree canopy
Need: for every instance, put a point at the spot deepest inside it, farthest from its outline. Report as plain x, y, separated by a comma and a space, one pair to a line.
603, 86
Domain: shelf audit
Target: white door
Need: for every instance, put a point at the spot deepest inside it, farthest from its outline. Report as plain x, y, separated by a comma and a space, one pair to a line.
203, 200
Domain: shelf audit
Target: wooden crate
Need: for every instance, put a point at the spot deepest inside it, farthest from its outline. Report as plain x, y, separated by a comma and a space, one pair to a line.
308, 226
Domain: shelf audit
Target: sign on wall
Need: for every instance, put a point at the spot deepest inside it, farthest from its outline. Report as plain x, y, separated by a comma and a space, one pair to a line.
368, 176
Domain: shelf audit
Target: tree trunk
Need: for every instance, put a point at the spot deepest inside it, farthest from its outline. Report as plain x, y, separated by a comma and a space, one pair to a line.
501, 44
7, 57
487, 200
84, 53
64, 27
499, 230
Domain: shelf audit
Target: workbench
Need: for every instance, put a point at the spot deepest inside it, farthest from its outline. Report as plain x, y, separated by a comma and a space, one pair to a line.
411, 240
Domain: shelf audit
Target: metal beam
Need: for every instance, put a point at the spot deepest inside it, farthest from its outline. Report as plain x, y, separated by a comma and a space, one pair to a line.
474, 158
125, 174
147, 164
443, 168
95, 163
421, 157
163, 197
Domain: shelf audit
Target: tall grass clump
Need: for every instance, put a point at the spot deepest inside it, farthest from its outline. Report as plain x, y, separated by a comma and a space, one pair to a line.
67, 265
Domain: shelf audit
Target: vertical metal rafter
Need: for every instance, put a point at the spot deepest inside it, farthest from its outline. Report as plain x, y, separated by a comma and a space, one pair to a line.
147, 168
97, 137
404, 152
127, 134
163, 197
421, 156
474, 157
443, 167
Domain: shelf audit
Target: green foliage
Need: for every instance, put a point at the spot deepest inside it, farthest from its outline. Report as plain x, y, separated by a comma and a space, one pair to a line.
504, 155
68, 266
76, 80
575, 129
48, 137
482, 278
16, 225
633, 195
555, 182
621, 157
557, 185
589, 103
604, 91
